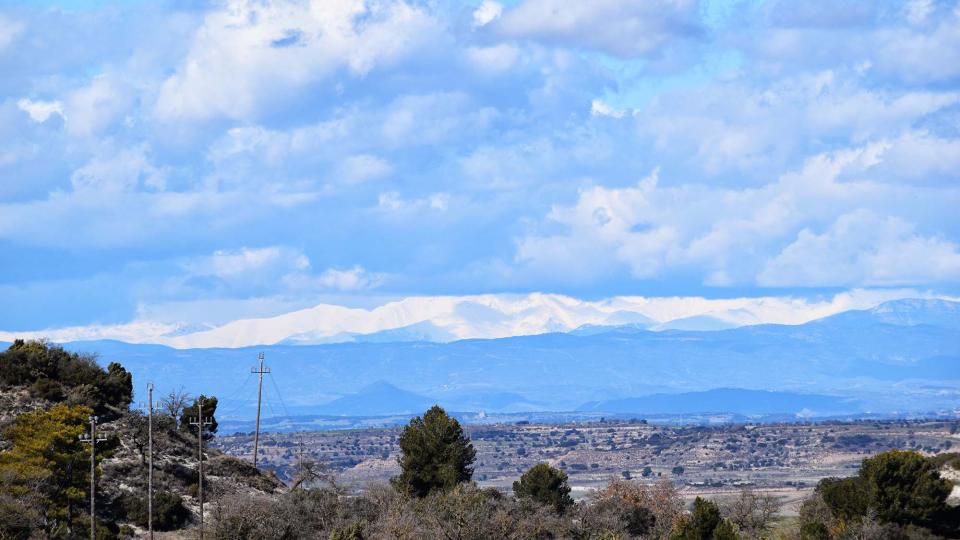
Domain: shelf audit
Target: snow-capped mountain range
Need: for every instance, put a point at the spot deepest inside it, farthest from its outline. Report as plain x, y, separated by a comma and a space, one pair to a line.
451, 318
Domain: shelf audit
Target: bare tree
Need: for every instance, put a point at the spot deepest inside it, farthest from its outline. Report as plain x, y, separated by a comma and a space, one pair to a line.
175, 402
752, 512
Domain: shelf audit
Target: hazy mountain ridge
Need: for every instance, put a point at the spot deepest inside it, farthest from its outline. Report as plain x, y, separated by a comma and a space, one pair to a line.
854, 355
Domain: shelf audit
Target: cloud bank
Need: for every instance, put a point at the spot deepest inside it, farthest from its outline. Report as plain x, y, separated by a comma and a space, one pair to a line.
257, 158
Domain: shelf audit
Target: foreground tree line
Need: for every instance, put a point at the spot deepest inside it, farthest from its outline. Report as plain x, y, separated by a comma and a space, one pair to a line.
44, 479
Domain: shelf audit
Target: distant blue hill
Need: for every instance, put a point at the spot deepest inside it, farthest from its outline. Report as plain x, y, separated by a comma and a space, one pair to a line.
379, 398
900, 356
727, 400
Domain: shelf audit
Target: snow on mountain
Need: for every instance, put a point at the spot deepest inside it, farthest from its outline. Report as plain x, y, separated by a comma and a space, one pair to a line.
449, 318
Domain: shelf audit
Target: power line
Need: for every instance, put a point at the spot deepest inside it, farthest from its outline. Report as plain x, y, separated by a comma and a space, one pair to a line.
279, 395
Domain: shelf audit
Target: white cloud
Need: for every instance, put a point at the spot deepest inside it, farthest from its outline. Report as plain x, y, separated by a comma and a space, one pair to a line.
487, 12
363, 168
393, 203
40, 111
599, 108
727, 235
623, 28
248, 52
96, 106
864, 249
114, 171
351, 279
244, 262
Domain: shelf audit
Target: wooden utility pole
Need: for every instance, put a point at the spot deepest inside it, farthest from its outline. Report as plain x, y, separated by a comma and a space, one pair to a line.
93, 439
150, 458
256, 434
300, 458
201, 423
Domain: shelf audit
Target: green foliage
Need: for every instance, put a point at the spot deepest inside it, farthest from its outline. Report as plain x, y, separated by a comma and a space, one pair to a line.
704, 523
901, 488
191, 413
678, 470
435, 454
544, 485
904, 487
725, 531
814, 531
57, 375
847, 498
47, 463
169, 513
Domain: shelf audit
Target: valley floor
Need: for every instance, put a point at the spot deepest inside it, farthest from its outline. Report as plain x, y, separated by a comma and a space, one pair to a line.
787, 458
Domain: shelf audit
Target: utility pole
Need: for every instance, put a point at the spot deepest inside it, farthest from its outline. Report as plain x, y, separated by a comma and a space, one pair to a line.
93, 439
256, 434
150, 453
300, 458
201, 423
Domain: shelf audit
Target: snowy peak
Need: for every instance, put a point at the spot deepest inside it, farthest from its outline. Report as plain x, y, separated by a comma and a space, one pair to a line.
450, 318
906, 312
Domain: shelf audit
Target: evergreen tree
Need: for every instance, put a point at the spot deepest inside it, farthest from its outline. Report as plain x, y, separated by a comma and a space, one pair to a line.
435, 454
904, 487
193, 411
545, 485
48, 463
704, 523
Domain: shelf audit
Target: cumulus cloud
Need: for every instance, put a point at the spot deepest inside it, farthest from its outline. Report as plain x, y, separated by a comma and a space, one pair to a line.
247, 52
861, 248
724, 235
477, 147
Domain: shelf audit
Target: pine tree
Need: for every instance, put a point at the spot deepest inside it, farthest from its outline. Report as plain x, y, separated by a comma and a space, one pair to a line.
435, 454
48, 463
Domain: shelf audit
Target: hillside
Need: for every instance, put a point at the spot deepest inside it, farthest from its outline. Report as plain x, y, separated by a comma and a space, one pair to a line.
45, 408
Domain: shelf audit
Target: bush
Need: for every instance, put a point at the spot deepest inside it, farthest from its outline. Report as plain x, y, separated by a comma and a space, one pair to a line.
544, 485
704, 523
169, 513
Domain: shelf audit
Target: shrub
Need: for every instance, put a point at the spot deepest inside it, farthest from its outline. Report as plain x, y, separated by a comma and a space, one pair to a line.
544, 485
169, 513
704, 523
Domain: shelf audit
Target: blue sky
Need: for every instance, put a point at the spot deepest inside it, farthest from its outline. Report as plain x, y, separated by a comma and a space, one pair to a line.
183, 160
